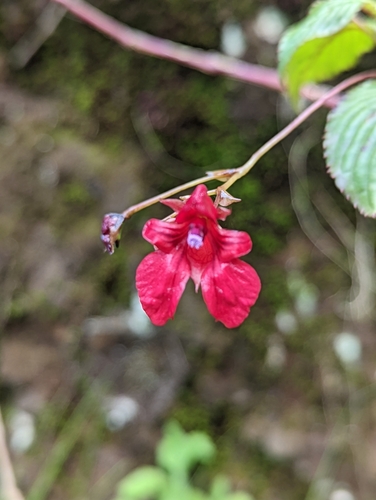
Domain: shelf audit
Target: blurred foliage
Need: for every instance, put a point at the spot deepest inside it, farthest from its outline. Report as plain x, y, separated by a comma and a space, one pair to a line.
196, 120
176, 454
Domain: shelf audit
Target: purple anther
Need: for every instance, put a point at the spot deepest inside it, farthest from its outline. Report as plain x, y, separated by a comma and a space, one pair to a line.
195, 238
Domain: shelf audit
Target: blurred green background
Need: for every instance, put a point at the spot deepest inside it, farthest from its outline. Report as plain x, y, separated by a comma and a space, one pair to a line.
87, 383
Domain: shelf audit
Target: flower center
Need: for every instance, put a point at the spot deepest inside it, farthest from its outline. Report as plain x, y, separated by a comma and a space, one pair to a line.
195, 238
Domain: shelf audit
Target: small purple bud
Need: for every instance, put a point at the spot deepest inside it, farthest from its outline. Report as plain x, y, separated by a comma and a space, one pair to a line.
111, 228
195, 238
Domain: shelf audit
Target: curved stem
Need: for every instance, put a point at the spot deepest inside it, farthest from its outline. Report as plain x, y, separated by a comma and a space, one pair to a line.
238, 173
171, 192
243, 170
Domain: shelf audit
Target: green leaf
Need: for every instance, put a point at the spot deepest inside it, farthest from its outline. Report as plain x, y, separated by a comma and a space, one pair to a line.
350, 147
178, 451
322, 45
324, 19
144, 482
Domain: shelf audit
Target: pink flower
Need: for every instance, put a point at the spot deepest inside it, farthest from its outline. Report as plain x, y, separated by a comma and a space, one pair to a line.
195, 246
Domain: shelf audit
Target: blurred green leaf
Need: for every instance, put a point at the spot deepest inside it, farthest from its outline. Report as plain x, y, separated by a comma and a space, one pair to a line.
220, 488
179, 451
182, 491
239, 495
370, 7
322, 45
350, 147
142, 483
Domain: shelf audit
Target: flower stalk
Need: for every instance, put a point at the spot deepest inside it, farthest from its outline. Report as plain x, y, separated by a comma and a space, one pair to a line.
210, 176
230, 176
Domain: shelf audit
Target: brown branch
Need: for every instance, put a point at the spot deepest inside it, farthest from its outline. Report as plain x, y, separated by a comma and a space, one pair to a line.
209, 62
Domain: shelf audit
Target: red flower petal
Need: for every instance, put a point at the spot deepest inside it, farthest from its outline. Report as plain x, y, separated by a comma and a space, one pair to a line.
229, 290
223, 213
166, 236
160, 281
173, 203
231, 244
177, 205
199, 204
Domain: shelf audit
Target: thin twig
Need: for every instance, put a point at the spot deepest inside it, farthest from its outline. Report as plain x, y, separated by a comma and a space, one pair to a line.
353, 80
237, 173
9, 487
171, 192
209, 62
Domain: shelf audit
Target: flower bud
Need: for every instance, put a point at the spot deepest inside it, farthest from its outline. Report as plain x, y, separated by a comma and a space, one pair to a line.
111, 231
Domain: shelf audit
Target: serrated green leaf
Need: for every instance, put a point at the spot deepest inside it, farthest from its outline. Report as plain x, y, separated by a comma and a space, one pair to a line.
323, 58
324, 18
179, 451
322, 45
144, 482
350, 147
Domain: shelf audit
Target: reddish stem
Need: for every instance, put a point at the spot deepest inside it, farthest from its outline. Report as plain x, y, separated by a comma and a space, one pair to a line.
345, 84
207, 62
